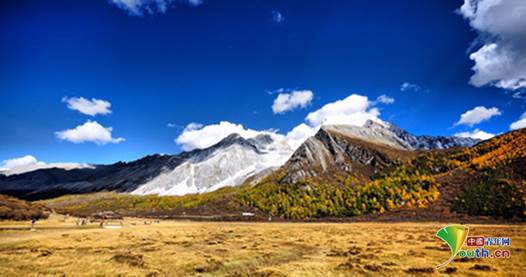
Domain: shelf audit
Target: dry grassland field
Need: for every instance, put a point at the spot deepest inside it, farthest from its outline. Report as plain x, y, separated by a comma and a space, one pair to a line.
183, 248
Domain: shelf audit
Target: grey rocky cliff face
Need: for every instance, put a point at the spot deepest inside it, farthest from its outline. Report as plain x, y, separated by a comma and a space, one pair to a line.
329, 152
261, 141
394, 136
337, 148
425, 142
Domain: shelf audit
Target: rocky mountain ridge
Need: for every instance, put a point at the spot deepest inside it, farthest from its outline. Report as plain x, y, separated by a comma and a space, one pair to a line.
228, 162
337, 150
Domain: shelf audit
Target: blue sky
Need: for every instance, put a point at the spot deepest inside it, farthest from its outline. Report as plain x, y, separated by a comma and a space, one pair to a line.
211, 61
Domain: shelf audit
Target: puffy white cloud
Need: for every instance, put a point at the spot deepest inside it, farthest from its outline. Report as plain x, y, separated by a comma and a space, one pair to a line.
520, 94
30, 163
26, 160
289, 101
354, 110
91, 131
198, 136
521, 123
477, 115
384, 99
299, 134
476, 134
193, 126
277, 17
406, 86
89, 107
139, 7
501, 24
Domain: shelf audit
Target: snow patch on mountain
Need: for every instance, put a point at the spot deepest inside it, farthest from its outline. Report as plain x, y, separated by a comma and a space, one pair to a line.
228, 163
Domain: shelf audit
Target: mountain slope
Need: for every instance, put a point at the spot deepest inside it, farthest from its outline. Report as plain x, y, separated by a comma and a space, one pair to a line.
393, 136
122, 177
334, 152
469, 184
339, 151
226, 163
229, 163
16, 209
488, 179
330, 154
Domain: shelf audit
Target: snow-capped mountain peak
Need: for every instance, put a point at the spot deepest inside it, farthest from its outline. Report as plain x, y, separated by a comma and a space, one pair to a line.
391, 135
227, 163
230, 162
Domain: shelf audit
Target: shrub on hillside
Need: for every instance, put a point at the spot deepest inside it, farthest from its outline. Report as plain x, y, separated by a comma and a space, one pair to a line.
16, 209
493, 197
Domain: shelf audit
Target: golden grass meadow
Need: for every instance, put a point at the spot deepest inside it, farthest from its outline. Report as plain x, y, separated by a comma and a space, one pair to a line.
58, 247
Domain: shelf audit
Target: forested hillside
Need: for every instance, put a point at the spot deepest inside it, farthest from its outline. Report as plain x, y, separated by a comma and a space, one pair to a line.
488, 179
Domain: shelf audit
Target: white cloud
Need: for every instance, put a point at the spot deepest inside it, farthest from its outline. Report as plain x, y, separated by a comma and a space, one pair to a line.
91, 131
354, 110
193, 126
30, 163
477, 115
198, 136
520, 94
406, 86
139, 7
174, 125
476, 134
521, 123
277, 17
299, 134
290, 101
501, 60
89, 107
384, 99
26, 160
